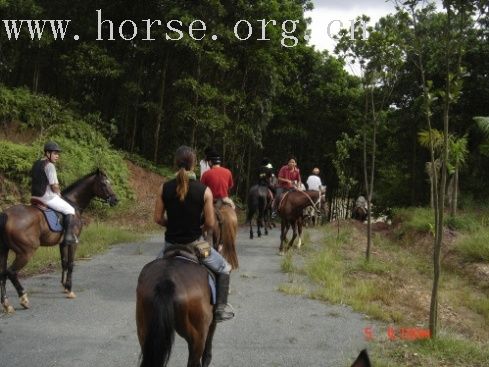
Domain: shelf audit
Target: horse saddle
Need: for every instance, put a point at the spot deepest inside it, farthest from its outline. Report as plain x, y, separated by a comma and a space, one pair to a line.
186, 253
54, 218
282, 200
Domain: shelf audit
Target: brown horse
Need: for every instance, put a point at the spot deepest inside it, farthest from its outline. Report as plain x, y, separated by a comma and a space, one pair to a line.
173, 295
23, 229
291, 207
224, 234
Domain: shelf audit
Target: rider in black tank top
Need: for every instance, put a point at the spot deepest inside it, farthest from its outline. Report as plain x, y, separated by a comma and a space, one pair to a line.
184, 217
185, 200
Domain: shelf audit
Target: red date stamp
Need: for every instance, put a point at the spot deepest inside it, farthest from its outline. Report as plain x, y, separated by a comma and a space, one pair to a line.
411, 334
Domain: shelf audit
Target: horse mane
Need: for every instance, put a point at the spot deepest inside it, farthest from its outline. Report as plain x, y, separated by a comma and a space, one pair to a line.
77, 183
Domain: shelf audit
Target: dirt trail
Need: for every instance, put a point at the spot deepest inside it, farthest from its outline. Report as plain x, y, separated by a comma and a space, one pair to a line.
98, 328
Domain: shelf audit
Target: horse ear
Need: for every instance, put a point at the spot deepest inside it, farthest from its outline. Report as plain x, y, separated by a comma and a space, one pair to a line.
362, 360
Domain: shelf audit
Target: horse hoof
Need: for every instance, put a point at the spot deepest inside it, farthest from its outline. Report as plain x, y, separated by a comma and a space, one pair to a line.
7, 308
65, 290
71, 295
281, 253
24, 301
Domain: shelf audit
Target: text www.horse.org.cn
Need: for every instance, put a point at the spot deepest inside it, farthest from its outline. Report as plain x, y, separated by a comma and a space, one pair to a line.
174, 30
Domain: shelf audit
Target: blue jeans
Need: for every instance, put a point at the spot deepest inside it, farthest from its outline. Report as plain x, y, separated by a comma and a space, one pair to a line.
214, 261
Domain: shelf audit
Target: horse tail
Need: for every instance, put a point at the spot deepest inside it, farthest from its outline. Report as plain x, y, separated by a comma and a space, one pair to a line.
251, 208
262, 204
161, 331
3, 235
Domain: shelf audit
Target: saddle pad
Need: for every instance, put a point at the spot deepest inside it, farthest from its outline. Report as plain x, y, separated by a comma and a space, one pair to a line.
210, 279
54, 220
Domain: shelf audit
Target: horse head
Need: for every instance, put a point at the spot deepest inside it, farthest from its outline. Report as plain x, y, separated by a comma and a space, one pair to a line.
103, 189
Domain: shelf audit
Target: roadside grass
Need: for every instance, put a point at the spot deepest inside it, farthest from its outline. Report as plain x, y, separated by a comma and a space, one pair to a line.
95, 239
395, 285
443, 351
474, 247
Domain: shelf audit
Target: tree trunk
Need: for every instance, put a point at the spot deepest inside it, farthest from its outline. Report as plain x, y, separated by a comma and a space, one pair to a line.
136, 109
454, 193
441, 195
159, 116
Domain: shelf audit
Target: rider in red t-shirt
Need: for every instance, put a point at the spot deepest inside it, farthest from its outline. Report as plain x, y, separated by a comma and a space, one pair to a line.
218, 179
289, 178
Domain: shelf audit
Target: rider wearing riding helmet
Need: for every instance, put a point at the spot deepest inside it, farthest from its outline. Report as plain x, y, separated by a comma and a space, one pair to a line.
219, 180
289, 178
265, 172
184, 200
45, 188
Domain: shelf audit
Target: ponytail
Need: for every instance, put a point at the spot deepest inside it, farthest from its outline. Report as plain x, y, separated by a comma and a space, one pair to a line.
182, 184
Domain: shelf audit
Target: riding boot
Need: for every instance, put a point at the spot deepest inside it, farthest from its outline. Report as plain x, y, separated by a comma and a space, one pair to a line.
223, 311
69, 237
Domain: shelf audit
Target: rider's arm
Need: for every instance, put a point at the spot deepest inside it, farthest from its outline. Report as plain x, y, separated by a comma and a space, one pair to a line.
159, 215
52, 176
209, 216
55, 188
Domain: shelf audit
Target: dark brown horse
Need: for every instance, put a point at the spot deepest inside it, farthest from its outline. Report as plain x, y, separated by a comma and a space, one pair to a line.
291, 207
23, 228
362, 360
259, 203
173, 295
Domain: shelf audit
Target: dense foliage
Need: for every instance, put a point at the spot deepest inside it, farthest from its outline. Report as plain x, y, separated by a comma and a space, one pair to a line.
249, 99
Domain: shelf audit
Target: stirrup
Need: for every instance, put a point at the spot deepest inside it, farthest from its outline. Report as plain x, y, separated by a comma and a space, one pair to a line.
223, 312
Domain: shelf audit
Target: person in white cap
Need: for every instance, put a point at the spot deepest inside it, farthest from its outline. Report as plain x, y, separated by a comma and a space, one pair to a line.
314, 181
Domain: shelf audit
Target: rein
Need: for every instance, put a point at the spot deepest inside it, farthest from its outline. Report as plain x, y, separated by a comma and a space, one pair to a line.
311, 201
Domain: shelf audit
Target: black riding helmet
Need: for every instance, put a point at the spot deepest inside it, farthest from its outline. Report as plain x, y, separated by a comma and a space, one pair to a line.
265, 161
51, 146
214, 157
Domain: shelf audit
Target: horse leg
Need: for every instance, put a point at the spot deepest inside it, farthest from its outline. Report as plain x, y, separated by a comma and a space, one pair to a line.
294, 235
259, 223
3, 280
284, 228
207, 356
196, 345
63, 250
299, 229
251, 226
263, 217
12, 273
71, 261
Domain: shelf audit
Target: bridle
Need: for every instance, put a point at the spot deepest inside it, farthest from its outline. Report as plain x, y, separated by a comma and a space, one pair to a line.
316, 204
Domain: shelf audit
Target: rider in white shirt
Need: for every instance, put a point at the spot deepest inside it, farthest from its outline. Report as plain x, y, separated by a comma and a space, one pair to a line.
45, 188
314, 181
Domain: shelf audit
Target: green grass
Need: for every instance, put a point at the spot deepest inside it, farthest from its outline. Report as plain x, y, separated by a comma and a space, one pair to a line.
416, 219
293, 289
95, 239
342, 276
474, 247
287, 264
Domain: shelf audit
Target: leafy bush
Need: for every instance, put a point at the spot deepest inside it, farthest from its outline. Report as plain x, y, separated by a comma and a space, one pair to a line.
32, 110
415, 219
84, 148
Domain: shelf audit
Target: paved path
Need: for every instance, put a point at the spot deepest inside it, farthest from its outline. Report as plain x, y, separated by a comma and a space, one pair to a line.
98, 328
